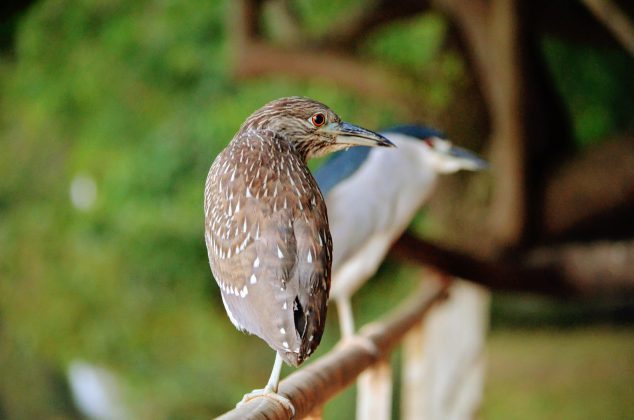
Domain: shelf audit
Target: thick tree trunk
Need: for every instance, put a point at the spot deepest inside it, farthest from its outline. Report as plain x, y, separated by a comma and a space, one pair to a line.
529, 129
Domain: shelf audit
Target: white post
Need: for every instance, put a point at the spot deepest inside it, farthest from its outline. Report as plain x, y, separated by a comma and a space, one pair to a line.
444, 360
374, 392
413, 375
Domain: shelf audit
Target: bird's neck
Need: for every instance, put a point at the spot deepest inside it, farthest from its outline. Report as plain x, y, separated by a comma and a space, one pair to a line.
414, 149
278, 140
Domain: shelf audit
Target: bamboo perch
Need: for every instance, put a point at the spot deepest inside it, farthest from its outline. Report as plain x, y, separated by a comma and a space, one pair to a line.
320, 381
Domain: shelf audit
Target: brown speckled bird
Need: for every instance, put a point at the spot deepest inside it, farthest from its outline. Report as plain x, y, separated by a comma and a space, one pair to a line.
266, 227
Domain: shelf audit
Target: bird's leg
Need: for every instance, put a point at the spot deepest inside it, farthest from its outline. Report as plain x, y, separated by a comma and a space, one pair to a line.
270, 390
346, 317
346, 323
274, 379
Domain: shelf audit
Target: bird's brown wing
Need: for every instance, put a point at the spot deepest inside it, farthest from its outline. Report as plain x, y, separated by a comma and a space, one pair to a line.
258, 239
312, 273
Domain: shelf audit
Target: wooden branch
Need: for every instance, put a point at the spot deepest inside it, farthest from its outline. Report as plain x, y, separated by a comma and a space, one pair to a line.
254, 56
288, 22
563, 271
315, 384
563, 20
617, 22
348, 32
560, 19
495, 275
598, 268
492, 35
529, 130
245, 24
258, 58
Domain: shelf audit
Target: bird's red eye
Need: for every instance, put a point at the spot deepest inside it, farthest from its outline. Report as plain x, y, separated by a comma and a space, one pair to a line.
318, 119
429, 142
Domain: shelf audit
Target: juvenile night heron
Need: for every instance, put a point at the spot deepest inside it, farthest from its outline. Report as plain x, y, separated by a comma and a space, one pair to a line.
372, 196
266, 227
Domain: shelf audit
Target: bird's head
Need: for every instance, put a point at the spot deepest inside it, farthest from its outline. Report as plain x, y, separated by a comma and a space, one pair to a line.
312, 127
439, 153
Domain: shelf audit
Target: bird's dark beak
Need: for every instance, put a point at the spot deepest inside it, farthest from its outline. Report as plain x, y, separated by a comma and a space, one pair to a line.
347, 134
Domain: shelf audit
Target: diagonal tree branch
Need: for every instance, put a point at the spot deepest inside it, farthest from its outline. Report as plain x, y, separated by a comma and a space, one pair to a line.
254, 56
353, 28
615, 20
257, 58
595, 269
495, 275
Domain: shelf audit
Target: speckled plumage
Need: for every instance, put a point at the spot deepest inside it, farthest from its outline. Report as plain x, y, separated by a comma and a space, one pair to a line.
266, 226
267, 237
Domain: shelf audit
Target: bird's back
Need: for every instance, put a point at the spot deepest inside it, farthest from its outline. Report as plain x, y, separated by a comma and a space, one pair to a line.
268, 242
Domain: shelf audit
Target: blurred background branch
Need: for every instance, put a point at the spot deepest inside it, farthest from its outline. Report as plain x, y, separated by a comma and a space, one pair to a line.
591, 270
615, 20
255, 56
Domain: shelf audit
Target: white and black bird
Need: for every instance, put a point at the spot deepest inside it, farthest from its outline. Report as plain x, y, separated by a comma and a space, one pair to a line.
372, 196
266, 227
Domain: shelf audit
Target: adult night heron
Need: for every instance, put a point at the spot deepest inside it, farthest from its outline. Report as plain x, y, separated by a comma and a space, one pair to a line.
372, 196
266, 227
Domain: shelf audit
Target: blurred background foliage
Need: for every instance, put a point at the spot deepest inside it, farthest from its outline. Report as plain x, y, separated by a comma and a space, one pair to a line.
129, 102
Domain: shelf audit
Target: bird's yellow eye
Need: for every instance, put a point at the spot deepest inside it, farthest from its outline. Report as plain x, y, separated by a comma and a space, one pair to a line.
318, 119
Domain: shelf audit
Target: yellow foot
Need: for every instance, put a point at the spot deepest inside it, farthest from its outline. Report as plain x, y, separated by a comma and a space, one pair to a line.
360, 341
268, 393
